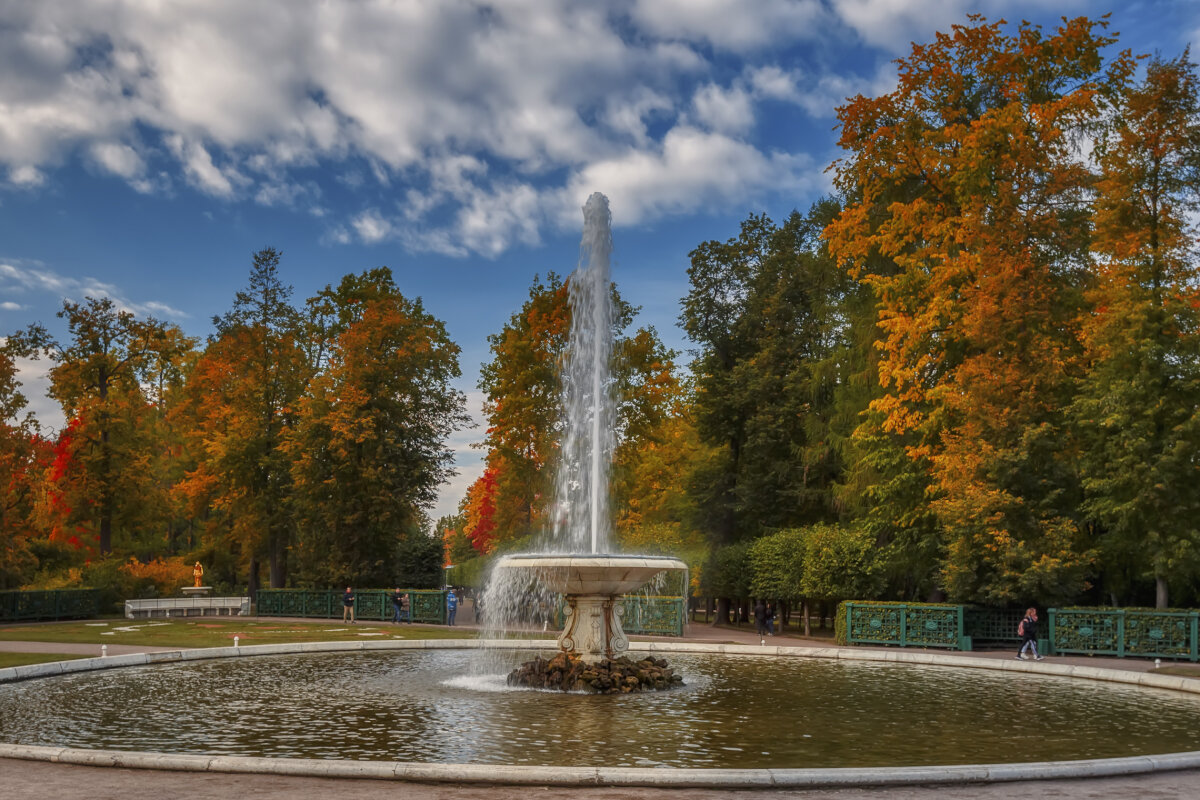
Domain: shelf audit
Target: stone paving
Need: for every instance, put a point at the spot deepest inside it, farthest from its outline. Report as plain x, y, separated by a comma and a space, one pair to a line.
23, 778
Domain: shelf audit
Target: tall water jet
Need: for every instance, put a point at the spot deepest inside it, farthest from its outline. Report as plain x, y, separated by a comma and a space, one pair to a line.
582, 520
579, 563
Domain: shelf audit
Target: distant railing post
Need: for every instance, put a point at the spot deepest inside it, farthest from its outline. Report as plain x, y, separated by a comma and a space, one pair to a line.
1120, 633
904, 625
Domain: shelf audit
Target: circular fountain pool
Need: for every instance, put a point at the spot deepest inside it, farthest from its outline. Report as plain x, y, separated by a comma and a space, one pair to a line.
736, 712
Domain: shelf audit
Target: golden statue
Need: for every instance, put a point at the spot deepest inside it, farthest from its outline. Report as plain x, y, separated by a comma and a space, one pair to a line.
197, 573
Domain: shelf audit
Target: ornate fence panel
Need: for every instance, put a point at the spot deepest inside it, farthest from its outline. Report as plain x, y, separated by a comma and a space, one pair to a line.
428, 606
658, 616
374, 604
1126, 632
1095, 631
906, 625
1161, 634
49, 605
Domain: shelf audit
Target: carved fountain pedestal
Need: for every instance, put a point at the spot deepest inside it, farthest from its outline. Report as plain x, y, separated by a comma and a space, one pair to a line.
593, 586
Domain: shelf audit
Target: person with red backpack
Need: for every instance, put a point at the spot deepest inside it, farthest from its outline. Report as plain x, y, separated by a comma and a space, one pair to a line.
1027, 630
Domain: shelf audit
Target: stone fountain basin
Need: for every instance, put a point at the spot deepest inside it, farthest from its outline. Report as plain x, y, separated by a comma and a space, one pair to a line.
601, 574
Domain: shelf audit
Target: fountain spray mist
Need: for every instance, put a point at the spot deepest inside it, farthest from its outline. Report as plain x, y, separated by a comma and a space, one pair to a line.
581, 493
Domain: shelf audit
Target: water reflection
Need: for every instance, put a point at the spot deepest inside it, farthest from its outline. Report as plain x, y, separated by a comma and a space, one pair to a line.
734, 712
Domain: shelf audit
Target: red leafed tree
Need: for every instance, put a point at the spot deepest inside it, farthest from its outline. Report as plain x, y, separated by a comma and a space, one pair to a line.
481, 512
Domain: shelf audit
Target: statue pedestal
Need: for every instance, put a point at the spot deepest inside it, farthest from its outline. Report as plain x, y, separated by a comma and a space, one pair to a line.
196, 591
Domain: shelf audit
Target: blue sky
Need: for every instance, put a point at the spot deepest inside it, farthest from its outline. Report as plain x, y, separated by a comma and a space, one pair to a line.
148, 149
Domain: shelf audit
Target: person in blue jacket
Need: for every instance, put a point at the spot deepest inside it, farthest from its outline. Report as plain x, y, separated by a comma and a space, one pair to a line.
451, 606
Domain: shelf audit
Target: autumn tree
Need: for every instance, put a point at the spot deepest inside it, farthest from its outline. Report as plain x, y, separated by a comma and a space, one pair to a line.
523, 403
522, 406
98, 379
1138, 409
24, 458
969, 179
479, 513
268, 374
368, 451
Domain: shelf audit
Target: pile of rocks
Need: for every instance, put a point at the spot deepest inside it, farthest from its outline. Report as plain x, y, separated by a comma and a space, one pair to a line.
618, 676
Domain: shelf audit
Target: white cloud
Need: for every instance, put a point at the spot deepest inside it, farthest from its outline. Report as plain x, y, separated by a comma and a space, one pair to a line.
9, 305
119, 159
199, 168
894, 24
819, 94
371, 227
26, 176
34, 378
733, 24
476, 117
23, 279
728, 110
693, 170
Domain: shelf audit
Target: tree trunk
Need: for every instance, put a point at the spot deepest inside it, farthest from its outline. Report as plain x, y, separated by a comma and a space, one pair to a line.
1160, 592
807, 622
278, 563
722, 611
252, 583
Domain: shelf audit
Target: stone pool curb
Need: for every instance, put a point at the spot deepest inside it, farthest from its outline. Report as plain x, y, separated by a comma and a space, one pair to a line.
609, 776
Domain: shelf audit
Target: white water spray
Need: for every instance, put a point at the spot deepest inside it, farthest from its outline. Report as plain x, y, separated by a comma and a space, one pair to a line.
582, 520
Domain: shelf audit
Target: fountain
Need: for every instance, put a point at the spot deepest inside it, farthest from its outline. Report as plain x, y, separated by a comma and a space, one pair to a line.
867, 717
579, 565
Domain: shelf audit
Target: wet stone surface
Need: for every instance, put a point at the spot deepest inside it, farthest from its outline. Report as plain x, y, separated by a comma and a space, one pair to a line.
607, 676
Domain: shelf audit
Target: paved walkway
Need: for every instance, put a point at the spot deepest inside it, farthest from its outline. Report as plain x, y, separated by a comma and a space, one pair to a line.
39, 779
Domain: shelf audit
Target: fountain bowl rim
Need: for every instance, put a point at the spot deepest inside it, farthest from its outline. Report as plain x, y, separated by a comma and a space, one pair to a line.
492, 774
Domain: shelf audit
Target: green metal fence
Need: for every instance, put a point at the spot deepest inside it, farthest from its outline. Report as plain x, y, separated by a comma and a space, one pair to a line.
906, 625
18, 606
644, 616
654, 616
1121, 632
992, 626
425, 605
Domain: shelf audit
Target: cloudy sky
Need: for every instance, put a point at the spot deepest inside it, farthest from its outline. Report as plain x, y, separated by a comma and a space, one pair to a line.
147, 149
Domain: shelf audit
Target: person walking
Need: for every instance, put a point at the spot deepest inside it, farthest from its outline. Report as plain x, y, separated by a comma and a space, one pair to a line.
1027, 630
760, 618
451, 606
348, 605
397, 600
405, 608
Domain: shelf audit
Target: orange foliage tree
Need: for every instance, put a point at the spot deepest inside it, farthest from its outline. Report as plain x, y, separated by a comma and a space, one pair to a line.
968, 180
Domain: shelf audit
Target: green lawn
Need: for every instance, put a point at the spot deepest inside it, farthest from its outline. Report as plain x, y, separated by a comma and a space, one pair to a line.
21, 659
217, 632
